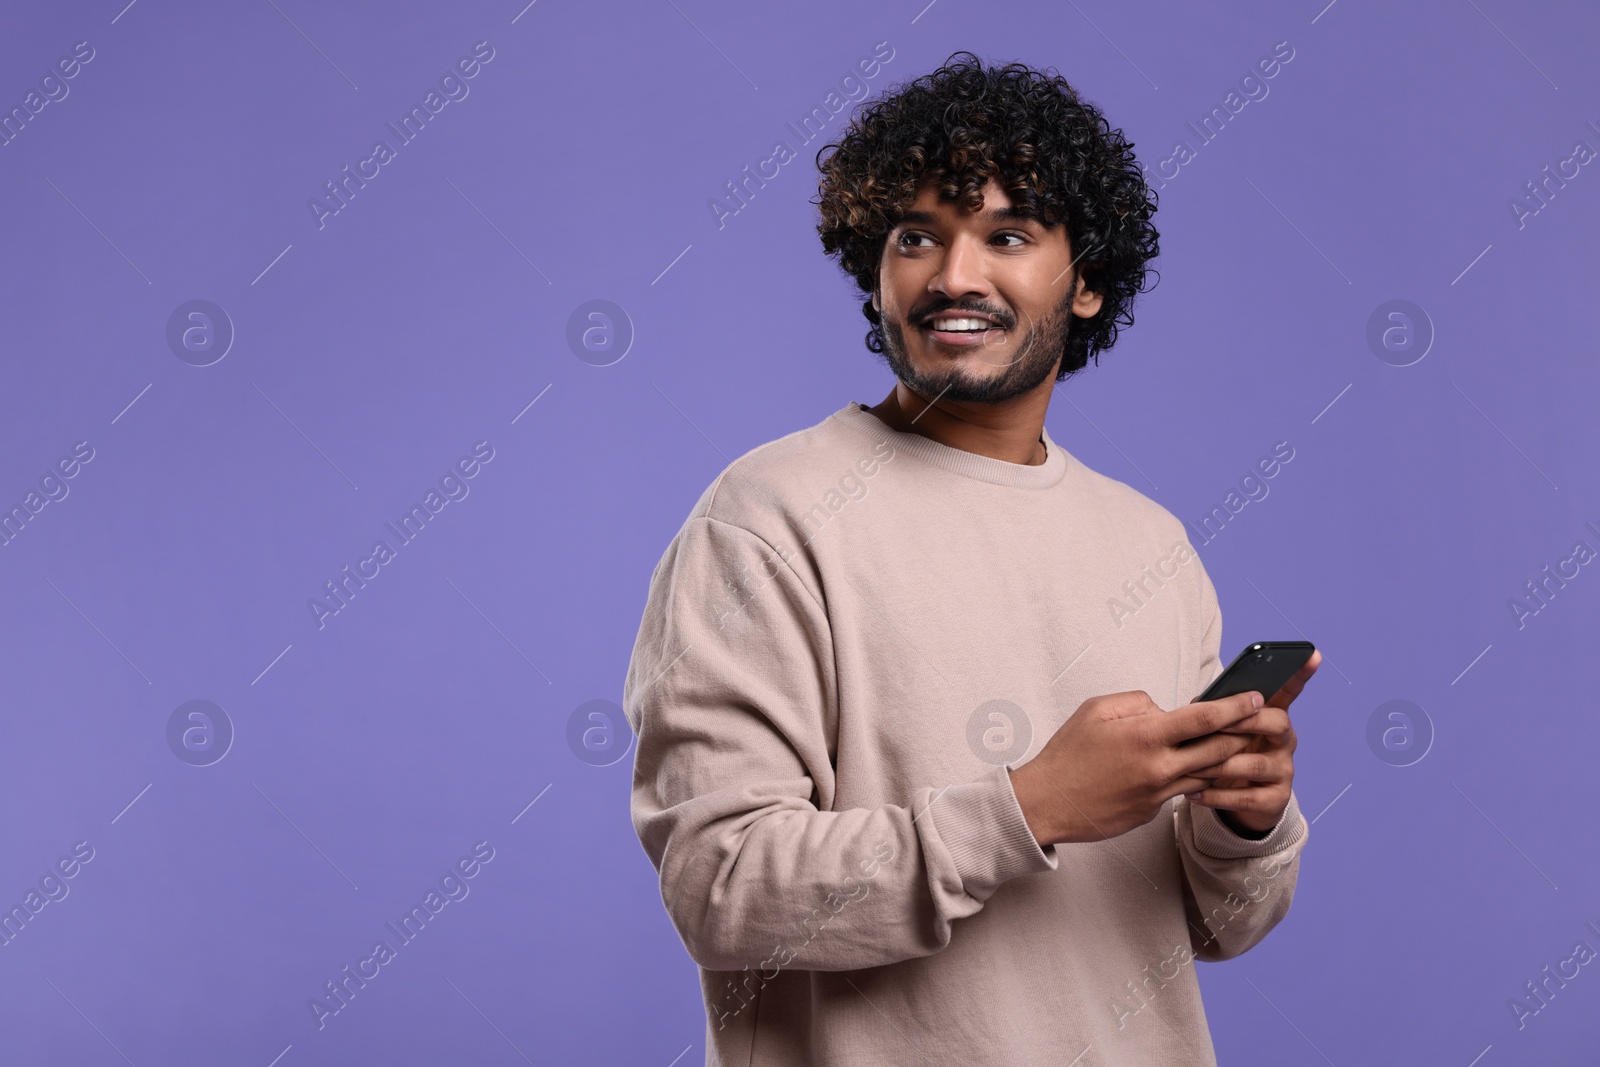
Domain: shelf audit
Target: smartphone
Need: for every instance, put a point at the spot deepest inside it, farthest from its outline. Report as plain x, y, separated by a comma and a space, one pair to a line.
1264, 666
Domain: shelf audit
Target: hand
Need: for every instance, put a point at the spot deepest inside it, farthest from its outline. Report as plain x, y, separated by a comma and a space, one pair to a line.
1251, 789
1118, 758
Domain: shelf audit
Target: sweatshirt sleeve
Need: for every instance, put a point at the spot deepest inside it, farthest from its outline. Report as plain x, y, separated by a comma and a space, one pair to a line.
731, 692
1236, 888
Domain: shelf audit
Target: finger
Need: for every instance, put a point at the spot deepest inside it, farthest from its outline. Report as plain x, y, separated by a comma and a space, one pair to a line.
1268, 721
1293, 687
1185, 785
1209, 751
1257, 799
1245, 768
1253, 747
1205, 717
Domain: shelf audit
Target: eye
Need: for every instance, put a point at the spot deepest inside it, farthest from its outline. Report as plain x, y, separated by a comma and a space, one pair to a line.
1021, 238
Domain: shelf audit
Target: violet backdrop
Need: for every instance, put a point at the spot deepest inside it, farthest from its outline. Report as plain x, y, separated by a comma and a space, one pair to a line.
1383, 255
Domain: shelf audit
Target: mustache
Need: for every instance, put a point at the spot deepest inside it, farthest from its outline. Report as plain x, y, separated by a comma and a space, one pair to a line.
978, 310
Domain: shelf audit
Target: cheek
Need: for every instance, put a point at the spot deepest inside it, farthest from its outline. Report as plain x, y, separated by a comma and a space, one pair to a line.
895, 296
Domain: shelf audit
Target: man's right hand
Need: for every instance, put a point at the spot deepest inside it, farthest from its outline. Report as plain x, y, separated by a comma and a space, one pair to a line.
1119, 758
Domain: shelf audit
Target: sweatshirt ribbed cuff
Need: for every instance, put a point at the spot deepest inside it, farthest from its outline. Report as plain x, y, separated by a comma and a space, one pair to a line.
1213, 837
983, 828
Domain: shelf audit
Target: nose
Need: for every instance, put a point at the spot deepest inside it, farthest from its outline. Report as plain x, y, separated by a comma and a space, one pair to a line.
961, 270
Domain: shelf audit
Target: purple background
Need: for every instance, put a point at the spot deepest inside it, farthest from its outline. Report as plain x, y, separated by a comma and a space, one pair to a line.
370, 754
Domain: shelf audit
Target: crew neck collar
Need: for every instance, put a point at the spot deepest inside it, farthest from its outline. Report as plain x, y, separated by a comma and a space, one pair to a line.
959, 461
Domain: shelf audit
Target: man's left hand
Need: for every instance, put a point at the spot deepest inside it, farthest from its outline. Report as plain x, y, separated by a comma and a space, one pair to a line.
1251, 789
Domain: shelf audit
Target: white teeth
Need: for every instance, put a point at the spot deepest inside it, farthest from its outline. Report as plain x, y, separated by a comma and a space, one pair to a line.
959, 325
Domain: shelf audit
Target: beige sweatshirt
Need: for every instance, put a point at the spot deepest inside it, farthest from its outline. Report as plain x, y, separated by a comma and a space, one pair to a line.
853, 635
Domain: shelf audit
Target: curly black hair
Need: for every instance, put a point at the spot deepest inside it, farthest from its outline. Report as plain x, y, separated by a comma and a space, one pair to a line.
1050, 149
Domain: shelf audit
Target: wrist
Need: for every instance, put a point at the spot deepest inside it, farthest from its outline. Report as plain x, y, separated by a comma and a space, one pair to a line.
1240, 825
1024, 787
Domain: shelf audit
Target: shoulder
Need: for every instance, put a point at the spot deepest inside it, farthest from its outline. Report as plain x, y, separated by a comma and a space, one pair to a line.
1158, 540
1136, 515
766, 487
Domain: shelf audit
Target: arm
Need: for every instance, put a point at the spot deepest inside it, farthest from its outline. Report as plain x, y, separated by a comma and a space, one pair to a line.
1235, 889
1237, 885
731, 690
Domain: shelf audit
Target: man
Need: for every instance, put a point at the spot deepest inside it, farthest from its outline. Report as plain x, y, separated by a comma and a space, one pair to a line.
864, 627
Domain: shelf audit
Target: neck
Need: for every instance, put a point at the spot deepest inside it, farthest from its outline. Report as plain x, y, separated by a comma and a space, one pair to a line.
1011, 431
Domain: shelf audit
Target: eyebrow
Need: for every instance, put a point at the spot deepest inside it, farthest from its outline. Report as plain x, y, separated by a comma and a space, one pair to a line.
1002, 214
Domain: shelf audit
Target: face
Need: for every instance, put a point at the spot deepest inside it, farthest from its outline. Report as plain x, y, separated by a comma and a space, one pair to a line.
1012, 273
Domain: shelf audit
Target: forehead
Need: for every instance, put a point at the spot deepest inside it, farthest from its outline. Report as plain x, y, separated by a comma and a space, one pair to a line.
929, 209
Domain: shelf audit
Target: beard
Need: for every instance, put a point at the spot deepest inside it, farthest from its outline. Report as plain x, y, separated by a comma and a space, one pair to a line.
1037, 356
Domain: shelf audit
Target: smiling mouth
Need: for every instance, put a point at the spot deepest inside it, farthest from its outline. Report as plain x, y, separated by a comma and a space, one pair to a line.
959, 331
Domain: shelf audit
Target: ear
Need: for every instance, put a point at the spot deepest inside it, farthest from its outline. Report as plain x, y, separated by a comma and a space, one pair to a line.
1086, 303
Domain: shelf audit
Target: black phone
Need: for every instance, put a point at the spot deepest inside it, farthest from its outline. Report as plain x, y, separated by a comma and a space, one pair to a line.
1264, 666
